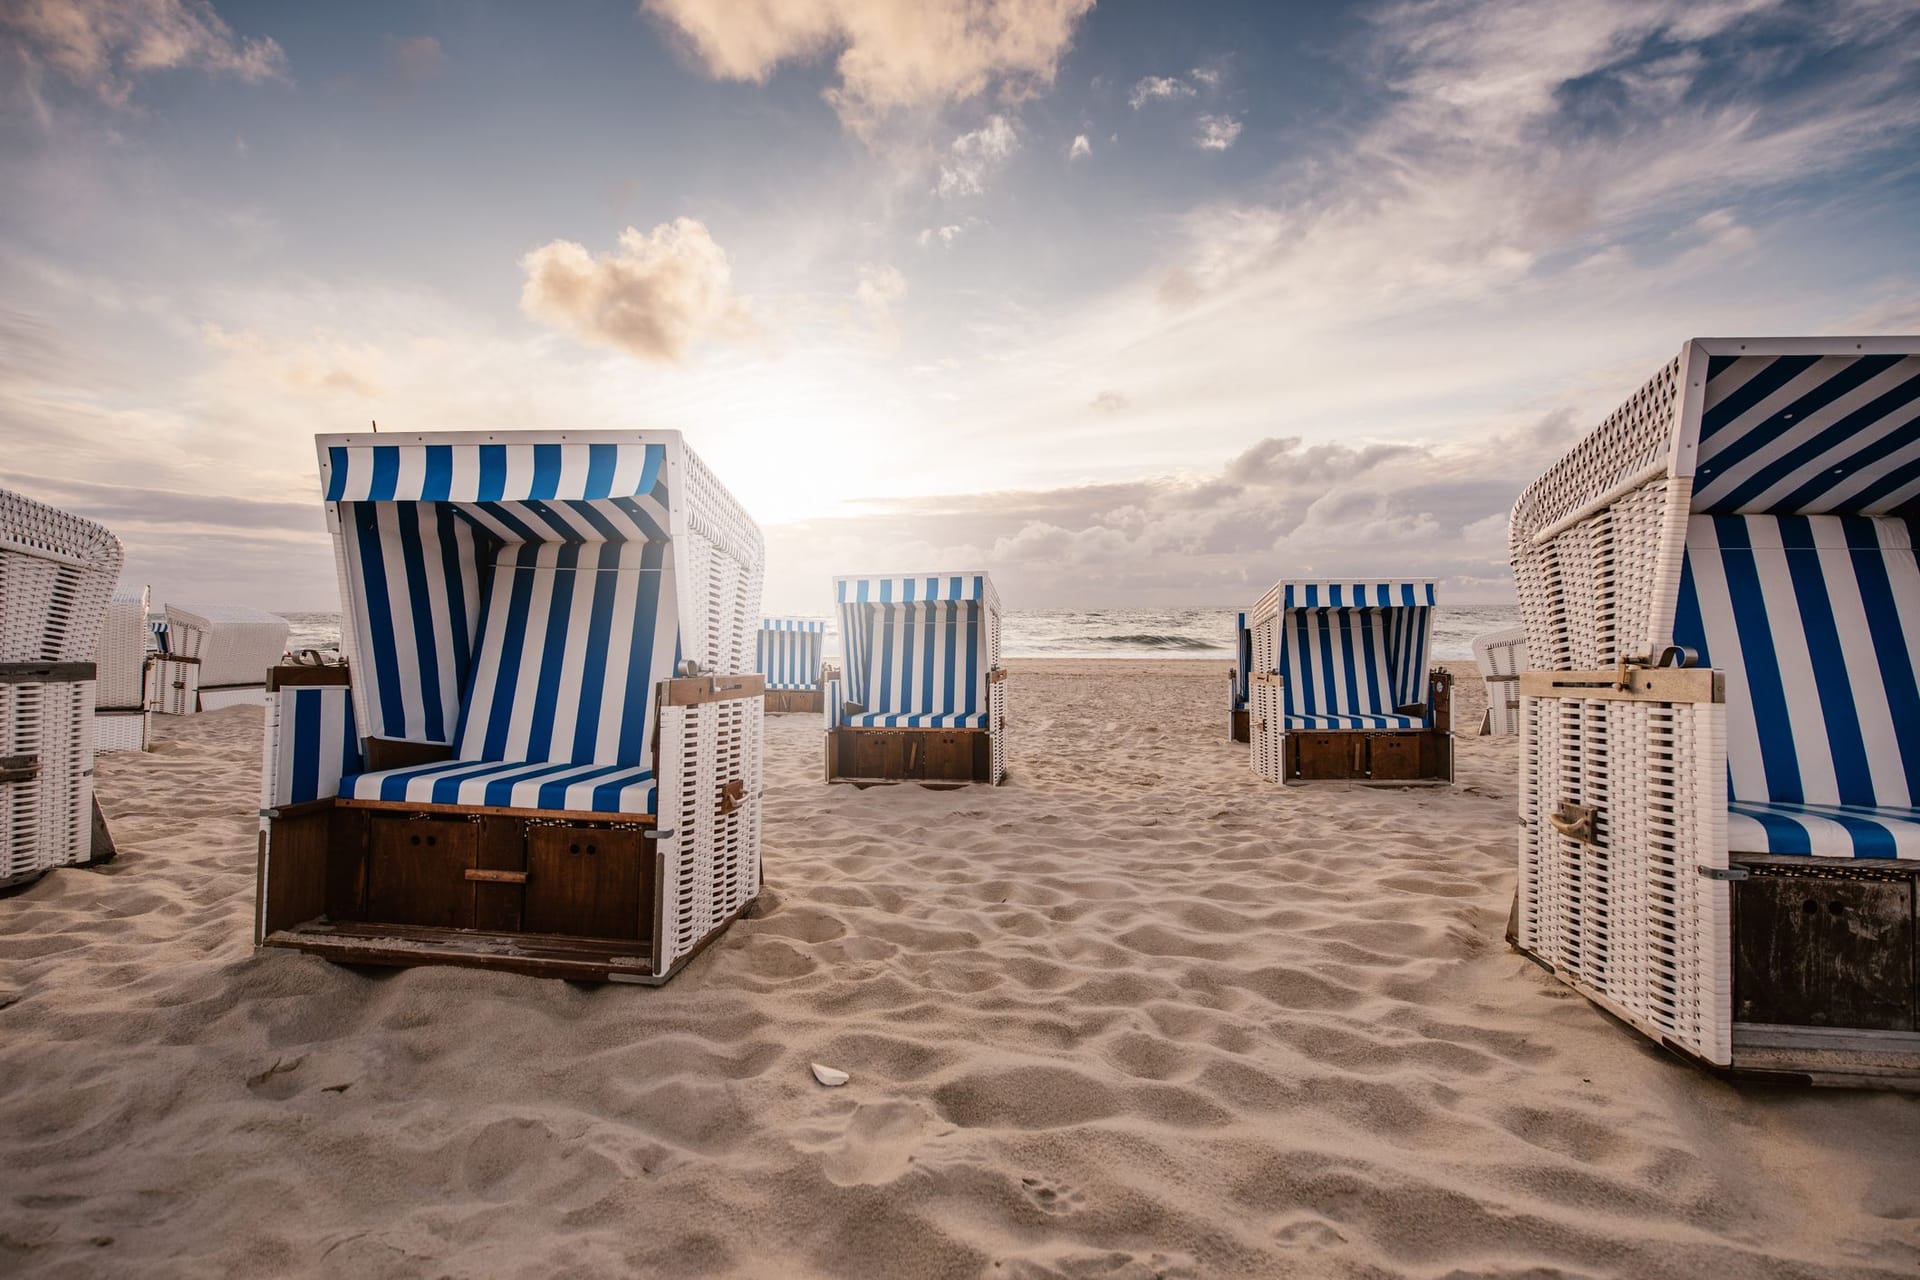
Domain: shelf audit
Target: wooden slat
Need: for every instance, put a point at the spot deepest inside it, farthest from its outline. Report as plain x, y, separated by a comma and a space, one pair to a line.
692, 691
302, 677
496, 877
1637, 684
45, 672
466, 810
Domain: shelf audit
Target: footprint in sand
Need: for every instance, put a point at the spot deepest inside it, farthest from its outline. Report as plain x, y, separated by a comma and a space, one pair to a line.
1053, 1197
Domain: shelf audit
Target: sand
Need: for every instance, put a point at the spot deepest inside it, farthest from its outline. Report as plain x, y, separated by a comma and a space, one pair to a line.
1132, 1014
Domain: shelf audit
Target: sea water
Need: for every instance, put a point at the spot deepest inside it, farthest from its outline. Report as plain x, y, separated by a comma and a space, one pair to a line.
1089, 633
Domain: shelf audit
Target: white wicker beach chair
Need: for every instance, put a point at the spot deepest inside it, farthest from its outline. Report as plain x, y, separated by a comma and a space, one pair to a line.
789, 656
122, 720
1720, 744
1501, 657
923, 697
56, 574
229, 648
1237, 681
1341, 690
549, 757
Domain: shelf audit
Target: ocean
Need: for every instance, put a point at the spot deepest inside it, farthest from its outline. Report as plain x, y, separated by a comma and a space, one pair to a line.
1091, 633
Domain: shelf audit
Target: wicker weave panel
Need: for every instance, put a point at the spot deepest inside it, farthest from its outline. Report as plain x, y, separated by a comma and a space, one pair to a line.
1629, 918
711, 859
47, 821
56, 575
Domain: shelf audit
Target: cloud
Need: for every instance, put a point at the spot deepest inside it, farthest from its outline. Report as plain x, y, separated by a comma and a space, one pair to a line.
942, 236
1110, 402
879, 288
654, 297
973, 157
1217, 133
321, 363
1158, 89
414, 60
1208, 76
104, 46
1081, 147
889, 56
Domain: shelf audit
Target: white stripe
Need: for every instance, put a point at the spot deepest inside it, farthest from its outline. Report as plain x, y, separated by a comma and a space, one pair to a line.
1723, 643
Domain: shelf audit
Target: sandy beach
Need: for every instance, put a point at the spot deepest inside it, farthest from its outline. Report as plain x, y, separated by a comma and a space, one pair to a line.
1132, 1014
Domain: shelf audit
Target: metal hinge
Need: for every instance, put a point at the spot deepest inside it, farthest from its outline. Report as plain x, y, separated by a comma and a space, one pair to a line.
1724, 873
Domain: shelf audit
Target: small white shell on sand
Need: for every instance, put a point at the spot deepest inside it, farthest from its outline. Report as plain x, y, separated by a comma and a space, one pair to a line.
832, 1077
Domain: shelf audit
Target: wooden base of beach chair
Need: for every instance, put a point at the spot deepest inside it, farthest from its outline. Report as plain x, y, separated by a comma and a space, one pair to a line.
929, 756
1826, 986
554, 894
1241, 727
1397, 756
780, 701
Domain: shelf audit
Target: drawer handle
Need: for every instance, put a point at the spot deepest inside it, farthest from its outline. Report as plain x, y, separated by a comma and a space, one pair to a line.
496, 877
1575, 821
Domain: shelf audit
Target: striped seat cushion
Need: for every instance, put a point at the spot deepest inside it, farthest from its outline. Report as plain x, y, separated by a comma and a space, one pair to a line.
572, 639
926, 666
596, 788
1355, 722
1353, 668
918, 720
1814, 619
1823, 831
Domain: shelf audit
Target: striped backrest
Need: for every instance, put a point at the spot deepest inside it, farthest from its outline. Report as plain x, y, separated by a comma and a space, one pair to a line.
1353, 661
929, 658
311, 743
789, 652
571, 641
1814, 620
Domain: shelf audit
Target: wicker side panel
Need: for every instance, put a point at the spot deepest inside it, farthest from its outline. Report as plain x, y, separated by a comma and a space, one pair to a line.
726, 560
56, 575
1268, 754
121, 731
1634, 437
1629, 919
173, 688
121, 656
1603, 587
47, 821
711, 861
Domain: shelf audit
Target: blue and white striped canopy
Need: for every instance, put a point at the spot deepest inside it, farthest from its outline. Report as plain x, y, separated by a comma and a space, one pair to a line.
1356, 595
792, 624
915, 589
1809, 435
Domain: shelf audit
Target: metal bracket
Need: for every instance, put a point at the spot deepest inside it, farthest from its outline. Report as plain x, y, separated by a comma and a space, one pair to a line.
1724, 873
22, 768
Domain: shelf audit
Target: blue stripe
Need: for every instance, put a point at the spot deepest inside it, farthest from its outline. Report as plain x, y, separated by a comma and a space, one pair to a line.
386, 474
1815, 601
1784, 835
1833, 439
1742, 400
593, 677
639, 691
1893, 654
460, 545
601, 462
518, 605
336, 472
650, 472
420, 601
553, 652
308, 719
546, 471
392, 722
1779, 760
436, 485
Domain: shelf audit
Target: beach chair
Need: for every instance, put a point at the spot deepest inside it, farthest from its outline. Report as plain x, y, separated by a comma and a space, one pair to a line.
1501, 657
1720, 739
544, 754
56, 574
923, 697
789, 658
1341, 690
1237, 680
122, 720
214, 656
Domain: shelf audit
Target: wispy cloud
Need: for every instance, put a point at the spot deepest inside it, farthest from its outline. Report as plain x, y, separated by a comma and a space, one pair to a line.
653, 297
1217, 133
973, 157
889, 56
944, 236
1080, 149
1158, 89
105, 46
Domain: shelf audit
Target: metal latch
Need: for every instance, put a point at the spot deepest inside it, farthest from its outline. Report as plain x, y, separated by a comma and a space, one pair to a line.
1724, 873
24, 768
732, 795
1575, 821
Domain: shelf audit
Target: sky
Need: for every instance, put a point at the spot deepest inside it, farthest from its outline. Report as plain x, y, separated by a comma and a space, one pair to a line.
1133, 304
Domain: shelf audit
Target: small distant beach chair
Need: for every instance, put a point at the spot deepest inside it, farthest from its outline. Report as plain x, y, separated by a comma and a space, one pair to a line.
548, 757
1501, 657
1237, 680
1720, 736
923, 697
789, 657
56, 574
122, 720
1341, 690
214, 656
